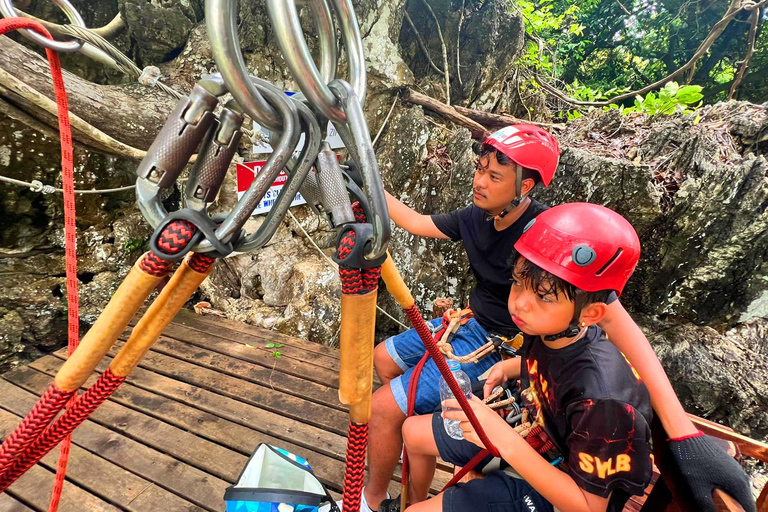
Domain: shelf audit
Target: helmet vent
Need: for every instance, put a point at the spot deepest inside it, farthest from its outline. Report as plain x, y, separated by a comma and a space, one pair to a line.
614, 258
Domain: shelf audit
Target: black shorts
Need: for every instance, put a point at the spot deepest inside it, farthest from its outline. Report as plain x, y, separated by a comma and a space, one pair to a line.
497, 492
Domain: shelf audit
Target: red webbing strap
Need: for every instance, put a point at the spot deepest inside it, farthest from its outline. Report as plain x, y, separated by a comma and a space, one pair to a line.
474, 461
83, 406
354, 472
70, 237
426, 337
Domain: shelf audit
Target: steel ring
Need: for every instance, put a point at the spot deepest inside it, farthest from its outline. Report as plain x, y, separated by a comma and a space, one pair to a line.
313, 84
8, 11
220, 20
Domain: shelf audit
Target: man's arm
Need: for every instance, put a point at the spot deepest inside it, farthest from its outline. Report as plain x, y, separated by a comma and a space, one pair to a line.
627, 337
410, 220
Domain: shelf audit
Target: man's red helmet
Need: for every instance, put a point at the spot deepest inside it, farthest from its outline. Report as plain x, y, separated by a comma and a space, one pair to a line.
586, 245
528, 146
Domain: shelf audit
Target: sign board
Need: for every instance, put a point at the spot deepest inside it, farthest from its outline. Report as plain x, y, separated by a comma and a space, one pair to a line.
247, 172
263, 146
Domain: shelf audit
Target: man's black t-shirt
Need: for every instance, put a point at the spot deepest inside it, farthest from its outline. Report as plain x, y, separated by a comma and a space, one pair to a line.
595, 409
488, 251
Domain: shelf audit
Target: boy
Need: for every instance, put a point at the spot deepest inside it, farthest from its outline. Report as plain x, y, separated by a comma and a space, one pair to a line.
510, 164
576, 385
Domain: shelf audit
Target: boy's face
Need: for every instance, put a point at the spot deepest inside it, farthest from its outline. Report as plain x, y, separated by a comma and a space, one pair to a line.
493, 184
538, 312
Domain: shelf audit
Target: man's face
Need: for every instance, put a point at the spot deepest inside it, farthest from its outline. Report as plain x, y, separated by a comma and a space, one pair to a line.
494, 184
538, 312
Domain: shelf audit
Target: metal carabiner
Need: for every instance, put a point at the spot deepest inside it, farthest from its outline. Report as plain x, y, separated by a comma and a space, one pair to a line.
221, 22
297, 174
358, 139
230, 228
8, 11
290, 37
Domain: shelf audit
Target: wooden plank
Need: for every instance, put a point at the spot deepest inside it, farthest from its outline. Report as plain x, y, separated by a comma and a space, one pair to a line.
277, 373
8, 504
300, 353
209, 323
158, 465
234, 411
220, 430
109, 482
34, 487
265, 397
750, 447
325, 450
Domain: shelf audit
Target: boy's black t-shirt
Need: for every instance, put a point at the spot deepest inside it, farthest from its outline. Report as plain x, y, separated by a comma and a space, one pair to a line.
595, 409
488, 251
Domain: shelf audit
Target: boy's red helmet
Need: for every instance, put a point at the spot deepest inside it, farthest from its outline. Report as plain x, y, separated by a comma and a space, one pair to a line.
528, 146
586, 245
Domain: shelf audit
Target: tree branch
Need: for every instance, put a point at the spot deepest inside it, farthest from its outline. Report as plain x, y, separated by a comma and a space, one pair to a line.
714, 33
421, 44
754, 20
445, 53
444, 110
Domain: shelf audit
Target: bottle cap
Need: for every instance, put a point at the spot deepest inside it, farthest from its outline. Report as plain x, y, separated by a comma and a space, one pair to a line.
453, 365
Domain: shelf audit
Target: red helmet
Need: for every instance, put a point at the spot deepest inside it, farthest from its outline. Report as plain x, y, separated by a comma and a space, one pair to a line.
586, 245
528, 146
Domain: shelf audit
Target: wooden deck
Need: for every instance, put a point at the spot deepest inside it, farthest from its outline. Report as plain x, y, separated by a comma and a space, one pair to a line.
180, 430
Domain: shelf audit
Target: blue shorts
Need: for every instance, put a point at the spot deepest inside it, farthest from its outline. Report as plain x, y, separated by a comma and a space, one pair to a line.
406, 350
496, 492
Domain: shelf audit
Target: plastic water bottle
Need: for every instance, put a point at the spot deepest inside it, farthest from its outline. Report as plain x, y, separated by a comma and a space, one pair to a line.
452, 426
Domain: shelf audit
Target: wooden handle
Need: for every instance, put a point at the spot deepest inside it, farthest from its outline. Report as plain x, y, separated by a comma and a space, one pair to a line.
395, 284
358, 323
724, 502
113, 320
178, 291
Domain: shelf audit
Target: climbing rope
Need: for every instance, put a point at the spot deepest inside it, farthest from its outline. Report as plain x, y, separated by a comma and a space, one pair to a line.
21, 441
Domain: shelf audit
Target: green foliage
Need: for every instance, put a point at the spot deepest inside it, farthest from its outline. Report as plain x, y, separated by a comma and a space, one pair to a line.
671, 99
135, 244
275, 353
600, 45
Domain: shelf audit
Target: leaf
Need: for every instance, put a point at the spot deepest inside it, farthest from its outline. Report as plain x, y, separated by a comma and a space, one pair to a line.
270, 345
278, 345
248, 346
671, 88
276, 354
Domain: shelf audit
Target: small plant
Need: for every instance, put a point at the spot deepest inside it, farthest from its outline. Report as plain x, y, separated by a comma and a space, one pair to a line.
275, 353
671, 99
134, 244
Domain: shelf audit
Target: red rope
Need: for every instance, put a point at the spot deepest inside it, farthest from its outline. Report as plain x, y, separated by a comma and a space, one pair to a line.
70, 235
357, 444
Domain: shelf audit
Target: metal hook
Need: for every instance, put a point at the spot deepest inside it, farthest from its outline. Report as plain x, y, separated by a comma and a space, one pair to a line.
8, 11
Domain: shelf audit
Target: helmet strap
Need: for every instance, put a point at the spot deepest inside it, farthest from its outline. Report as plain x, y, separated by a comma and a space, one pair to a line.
515, 202
574, 329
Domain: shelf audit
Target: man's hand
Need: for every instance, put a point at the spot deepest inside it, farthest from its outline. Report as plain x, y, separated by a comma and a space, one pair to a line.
496, 377
702, 467
495, 427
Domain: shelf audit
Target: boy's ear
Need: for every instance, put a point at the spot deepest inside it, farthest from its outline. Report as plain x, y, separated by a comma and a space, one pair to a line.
593, 313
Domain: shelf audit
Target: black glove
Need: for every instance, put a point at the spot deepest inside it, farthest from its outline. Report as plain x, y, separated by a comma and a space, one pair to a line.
353, 171
702, 467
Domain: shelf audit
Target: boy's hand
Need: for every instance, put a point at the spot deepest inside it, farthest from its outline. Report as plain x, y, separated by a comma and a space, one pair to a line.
496, 428
496, 377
